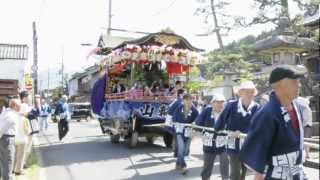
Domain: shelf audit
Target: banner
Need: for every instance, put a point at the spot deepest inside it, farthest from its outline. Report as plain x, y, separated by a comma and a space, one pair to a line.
124, 109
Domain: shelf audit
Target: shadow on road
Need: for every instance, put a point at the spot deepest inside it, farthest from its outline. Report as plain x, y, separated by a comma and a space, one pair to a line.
172, 174
93, 151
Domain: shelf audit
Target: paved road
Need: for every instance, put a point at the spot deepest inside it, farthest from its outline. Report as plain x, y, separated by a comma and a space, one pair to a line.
86, 154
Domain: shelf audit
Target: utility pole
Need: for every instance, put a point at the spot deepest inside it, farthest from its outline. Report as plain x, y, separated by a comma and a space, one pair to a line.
48, 79
62, 71
35, 58
109, 17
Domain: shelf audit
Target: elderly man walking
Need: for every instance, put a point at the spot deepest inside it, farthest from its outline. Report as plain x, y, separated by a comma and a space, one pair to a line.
8, 129
236, 117
44, 115
184, 114
207, 118
63, 115
274, 145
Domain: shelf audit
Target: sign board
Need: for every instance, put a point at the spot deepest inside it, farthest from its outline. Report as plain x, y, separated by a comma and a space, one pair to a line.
28, 81
34, 68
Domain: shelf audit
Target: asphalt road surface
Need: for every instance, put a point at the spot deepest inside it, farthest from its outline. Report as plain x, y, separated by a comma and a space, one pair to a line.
86, 154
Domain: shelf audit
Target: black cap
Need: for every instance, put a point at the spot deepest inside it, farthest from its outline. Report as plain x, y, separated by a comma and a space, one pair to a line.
187, 97
286, 71
24, 94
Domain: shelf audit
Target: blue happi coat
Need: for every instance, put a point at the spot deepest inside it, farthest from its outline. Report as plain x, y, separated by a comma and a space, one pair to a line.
173, 106
233, 119
273, 143
207, 119
178, 117
45, 110
62, 110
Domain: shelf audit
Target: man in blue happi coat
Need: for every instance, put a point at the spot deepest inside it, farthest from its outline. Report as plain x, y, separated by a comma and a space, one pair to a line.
44, 113
207, 118
273, 147
172, 107
63, 115
184, 114
236, 118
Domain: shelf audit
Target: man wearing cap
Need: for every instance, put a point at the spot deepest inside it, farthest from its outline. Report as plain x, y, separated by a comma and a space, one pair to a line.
63, 116
275, 140
207, 118
236, 118
184, 114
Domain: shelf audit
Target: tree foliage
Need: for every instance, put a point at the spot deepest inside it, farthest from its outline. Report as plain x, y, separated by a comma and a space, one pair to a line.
193, 86
194, 73
269, 11
220, 63
236, 58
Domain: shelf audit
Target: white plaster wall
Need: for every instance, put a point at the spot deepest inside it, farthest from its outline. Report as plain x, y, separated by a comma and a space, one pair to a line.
73, 87
13, 69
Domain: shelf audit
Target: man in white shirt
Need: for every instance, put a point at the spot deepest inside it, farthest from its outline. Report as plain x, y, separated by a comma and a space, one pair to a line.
44, 115
23, 134
307, 120
8, 128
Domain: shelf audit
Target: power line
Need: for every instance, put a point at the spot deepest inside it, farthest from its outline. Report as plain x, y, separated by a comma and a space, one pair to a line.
43, 6
165, 9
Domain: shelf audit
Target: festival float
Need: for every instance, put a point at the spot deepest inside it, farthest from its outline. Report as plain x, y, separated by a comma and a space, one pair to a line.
136, 87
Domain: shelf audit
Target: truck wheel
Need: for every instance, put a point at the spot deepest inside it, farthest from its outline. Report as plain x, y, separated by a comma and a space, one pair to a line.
150, 139
101, 126
115, 138
133, 140
168, 140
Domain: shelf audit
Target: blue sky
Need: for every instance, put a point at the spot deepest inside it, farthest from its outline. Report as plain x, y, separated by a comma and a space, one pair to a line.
64, 24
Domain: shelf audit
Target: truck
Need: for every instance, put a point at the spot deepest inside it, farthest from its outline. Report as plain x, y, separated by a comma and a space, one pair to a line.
121, 98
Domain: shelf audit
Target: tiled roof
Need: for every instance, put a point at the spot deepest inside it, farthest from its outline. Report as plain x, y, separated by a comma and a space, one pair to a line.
273, 42
312, 17
106, 41
153, 39
14, 51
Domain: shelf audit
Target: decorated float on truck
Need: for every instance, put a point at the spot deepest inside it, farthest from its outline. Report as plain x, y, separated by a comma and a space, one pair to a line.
136, 88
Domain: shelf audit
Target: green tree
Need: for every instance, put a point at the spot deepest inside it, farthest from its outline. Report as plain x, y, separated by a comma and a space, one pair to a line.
216, 80
220, 63
194, 72
193, 86
269, 11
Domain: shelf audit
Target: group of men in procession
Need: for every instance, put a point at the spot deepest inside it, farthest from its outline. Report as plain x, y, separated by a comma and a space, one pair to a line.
19, 122
266, 138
